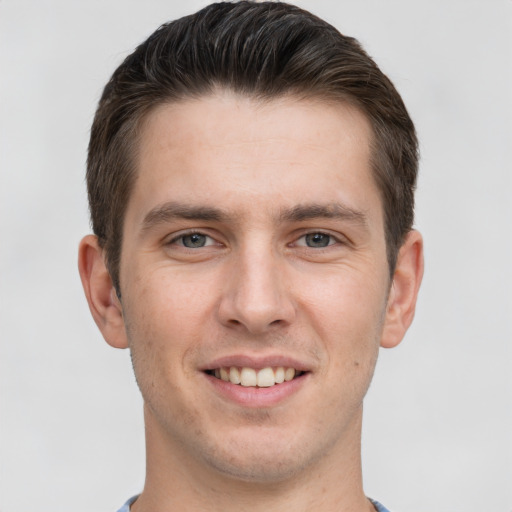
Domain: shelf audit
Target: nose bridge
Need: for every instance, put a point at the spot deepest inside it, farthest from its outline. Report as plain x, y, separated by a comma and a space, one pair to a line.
256, 295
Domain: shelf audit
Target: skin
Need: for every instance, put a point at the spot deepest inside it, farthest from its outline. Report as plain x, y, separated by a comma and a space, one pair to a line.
272, 175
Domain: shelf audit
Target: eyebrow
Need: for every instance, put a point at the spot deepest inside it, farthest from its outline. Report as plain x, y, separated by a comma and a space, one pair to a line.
324, 211
170, 211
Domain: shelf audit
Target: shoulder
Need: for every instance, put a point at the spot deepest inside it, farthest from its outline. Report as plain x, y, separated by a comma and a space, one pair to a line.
126, 506
378, 506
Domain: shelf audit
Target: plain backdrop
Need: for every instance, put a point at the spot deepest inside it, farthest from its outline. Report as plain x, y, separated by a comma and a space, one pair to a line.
438, 417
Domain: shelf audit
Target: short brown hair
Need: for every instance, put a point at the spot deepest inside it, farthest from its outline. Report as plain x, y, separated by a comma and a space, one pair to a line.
260, 49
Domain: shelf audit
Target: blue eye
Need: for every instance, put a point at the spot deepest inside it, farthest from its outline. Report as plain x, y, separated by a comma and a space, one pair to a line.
317, 240
194, 240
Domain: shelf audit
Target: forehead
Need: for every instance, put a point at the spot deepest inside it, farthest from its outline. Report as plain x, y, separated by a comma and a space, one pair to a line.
238, 151
226, 116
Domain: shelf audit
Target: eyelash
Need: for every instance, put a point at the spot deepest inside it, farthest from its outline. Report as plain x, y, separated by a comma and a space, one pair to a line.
182, 235
333, 240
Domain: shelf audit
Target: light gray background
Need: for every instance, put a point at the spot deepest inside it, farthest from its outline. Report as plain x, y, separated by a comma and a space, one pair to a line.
437, 436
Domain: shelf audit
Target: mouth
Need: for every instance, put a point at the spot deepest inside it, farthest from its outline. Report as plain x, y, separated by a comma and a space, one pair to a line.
256, 378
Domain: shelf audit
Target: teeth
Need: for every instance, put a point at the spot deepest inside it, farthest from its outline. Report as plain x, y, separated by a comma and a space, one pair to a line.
266, 378
289, 374
224, 374
234, 375
249, 377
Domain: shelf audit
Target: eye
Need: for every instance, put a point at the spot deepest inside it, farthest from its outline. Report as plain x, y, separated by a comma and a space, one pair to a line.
316, 240
193, 240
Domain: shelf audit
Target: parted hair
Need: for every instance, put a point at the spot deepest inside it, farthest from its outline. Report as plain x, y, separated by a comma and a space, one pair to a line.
263, 50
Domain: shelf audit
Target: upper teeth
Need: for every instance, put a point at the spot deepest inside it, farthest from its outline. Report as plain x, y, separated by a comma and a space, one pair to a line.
263, 378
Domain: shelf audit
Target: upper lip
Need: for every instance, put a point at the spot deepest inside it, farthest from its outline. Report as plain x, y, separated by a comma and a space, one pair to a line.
256, 362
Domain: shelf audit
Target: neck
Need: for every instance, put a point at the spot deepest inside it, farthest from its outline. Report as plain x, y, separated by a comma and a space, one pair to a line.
176, 481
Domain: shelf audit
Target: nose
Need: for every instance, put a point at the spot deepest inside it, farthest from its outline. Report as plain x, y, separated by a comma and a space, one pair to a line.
256, 295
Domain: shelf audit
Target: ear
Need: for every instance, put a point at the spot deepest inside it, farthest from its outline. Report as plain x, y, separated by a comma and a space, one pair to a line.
404, 290
101, 295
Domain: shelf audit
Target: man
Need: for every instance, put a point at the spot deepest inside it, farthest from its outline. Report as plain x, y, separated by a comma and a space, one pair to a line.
251, 176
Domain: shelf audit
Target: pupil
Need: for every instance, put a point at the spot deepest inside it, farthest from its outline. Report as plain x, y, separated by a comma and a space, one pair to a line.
317, 240
194, 240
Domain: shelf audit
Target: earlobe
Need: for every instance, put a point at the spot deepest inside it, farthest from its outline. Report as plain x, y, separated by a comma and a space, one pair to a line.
404, 290
101, 296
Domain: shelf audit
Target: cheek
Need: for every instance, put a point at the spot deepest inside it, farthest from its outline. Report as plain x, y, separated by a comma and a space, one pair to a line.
163, 300
166, 318
346, 302
155, 332
347, 313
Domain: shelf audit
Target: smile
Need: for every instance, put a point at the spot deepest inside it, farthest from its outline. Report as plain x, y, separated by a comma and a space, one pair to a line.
250, 377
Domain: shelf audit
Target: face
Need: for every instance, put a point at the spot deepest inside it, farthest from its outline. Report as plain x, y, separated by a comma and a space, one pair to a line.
254, 251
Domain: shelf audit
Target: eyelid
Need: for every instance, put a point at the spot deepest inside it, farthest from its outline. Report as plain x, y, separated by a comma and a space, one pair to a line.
175, 237
338, 239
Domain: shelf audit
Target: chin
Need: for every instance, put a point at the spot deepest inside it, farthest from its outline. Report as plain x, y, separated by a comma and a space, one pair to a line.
264, 458
260, 469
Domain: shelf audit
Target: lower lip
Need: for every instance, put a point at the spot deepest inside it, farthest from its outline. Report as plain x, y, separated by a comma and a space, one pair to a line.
257, 397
